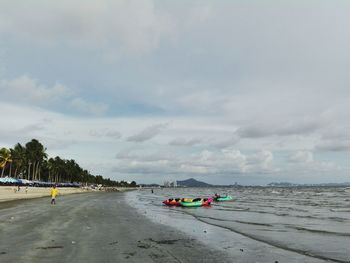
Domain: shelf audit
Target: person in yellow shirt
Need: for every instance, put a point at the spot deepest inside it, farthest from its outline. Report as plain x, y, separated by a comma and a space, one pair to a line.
54, 193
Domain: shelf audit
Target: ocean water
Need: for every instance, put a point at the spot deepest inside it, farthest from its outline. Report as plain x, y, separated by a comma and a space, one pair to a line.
261, 224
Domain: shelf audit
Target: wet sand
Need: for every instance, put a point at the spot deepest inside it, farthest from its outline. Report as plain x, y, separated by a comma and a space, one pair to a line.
92, 227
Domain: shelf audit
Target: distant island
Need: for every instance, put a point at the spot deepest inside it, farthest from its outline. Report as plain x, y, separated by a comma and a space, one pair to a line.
192, 183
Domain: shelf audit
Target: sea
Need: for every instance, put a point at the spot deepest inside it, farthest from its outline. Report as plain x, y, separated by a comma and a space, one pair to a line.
261, 224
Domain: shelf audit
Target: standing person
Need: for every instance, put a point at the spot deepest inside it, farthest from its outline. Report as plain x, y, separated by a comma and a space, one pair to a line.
54, 192
26, 189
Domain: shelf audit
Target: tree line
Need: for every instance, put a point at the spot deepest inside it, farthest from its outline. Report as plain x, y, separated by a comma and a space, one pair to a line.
31, 162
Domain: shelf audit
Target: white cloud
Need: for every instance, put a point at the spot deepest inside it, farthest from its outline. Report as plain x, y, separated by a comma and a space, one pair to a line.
305, 163
261, 161
28, 90
236, 158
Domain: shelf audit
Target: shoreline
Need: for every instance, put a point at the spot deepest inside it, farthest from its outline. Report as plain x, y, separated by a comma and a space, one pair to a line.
10, 193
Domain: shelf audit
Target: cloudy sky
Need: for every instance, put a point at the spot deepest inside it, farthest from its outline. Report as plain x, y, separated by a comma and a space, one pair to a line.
222, 91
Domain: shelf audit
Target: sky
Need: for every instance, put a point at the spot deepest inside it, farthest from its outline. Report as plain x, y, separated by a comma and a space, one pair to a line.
221, 91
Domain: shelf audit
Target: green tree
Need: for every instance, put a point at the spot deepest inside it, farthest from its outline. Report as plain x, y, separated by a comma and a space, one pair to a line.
5, 157
36, 155
32, 162
19, 159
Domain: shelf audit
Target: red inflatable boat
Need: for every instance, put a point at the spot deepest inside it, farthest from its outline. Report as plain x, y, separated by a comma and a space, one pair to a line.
172, 201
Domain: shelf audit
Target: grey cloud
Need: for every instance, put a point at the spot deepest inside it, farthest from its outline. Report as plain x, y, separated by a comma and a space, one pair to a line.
105, 133
26, 133
333, 145
140, 156
32, 127
185, 142
337, 132
148, 133
114, 134
205, 163
281, 128
115, 26
224, 143
58, 144
268, 77
301, 157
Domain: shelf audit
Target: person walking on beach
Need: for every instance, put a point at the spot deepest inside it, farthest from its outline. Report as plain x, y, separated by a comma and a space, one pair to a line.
54, 193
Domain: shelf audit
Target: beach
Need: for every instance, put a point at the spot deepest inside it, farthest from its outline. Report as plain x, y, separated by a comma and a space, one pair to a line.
9, 193
92, 227
135, 226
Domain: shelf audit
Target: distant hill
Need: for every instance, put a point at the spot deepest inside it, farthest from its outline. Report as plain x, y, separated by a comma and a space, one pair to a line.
192, 183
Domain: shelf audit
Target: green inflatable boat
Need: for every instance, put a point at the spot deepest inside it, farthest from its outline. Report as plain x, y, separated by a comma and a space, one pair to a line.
191, 203
223, 198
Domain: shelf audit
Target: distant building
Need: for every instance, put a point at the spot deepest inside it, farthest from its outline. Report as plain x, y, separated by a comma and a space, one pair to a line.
170, 184
173, 184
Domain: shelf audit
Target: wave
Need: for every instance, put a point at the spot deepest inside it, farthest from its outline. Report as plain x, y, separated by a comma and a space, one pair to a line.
272, 243
228, 220
324, 232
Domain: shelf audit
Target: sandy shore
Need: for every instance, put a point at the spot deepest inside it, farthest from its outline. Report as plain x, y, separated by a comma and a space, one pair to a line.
92, 227
9, 193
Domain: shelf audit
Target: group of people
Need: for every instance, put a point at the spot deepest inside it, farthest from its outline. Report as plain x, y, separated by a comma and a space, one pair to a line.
53, 192
18, 189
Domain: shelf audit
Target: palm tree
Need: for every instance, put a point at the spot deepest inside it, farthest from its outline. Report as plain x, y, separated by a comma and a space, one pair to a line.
50, 168
5, 157
31, 161
36, 156
18, 154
